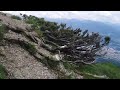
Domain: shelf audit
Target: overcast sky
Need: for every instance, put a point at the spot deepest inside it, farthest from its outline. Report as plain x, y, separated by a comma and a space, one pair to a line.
104, 16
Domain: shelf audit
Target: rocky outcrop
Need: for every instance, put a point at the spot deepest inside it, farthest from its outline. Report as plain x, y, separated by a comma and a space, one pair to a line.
19, 62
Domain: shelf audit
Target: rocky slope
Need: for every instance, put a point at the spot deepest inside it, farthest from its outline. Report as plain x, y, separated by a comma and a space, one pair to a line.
18, 62
22, 63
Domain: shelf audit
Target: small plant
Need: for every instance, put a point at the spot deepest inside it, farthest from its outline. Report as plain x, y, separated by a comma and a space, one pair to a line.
40, 34
2, 31
107, 39
53, 64
50, 62
29, 47
3, 73
69, 66
15, 17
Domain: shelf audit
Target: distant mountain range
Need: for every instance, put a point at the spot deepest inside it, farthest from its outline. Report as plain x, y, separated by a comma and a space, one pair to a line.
95, 26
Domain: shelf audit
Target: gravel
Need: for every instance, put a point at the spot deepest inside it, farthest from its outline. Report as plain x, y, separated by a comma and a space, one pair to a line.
22, 65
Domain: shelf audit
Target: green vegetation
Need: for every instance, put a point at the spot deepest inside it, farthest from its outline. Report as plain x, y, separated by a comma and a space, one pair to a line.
29, 47
40, 34
53, 64
33, 20
49, 62
16, 17
107, 39
36, 23
2, 31
69, 66
3, 74
109, 70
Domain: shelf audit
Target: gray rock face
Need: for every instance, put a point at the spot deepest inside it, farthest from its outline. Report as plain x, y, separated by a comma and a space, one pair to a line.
14, 24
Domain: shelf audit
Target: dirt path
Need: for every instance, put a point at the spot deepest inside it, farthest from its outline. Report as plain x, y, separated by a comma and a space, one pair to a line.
21, 65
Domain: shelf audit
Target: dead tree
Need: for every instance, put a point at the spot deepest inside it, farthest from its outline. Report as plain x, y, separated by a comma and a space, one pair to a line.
77, 46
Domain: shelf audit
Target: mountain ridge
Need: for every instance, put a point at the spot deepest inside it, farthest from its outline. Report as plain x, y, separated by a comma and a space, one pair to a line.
27, 55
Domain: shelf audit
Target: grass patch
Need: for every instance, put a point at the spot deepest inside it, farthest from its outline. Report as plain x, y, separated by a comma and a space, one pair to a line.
3, 74
69, 66
2, 31
110, 70
53, 64
16, 17
40, 34
50, 62
29, 47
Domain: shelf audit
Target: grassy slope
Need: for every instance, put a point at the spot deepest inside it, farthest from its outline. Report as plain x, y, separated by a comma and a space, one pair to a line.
110, 70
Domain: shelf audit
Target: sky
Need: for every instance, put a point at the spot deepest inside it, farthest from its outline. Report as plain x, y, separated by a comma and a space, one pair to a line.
103, 16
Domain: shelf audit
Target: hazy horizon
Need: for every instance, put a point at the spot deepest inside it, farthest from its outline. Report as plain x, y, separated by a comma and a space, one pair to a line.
102, 16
